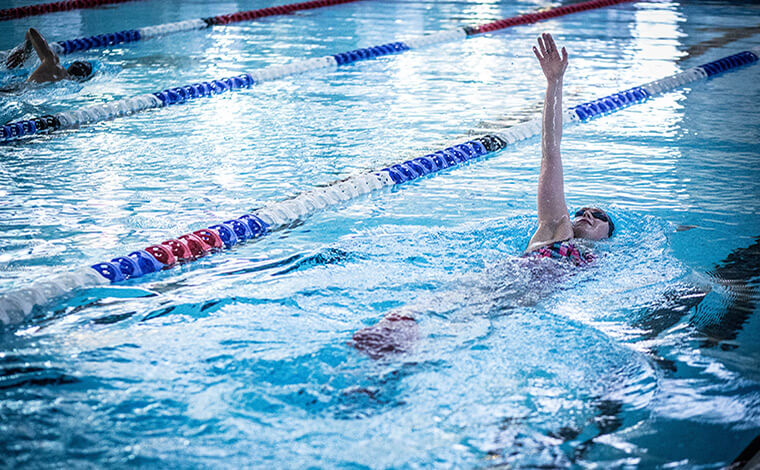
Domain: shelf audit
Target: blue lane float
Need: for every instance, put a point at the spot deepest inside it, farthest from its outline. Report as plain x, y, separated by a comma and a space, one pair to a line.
728, 63
15, 306
98, 41
204, 89
610, 103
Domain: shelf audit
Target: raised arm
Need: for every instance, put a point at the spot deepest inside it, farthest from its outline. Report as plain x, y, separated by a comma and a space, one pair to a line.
50, 69
41, 46
553, 220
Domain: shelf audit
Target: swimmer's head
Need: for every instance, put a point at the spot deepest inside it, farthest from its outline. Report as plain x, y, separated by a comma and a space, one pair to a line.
592, 223
80, 70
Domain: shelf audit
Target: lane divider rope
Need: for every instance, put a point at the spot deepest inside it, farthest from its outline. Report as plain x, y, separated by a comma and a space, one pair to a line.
171, 96
103, 41
44, 8
15, 306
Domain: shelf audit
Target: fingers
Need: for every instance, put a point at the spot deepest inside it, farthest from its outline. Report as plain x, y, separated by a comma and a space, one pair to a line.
549, 40
13, 60
547, 49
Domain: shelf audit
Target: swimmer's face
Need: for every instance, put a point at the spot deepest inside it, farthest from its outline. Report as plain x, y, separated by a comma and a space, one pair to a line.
591, 223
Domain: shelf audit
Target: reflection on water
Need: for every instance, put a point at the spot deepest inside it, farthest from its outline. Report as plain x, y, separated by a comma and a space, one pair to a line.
729, 35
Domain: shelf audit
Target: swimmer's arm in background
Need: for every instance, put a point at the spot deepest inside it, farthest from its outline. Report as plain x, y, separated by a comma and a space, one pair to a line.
19, 54
553, 220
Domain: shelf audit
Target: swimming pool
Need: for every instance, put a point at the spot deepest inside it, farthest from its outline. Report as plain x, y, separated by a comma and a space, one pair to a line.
241, 357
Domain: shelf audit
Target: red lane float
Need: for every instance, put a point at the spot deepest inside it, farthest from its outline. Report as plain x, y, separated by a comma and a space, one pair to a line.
271, 11
44, 8
542, 15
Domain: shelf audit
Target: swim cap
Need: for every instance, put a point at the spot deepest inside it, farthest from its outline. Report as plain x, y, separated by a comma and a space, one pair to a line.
80, 70
612, 225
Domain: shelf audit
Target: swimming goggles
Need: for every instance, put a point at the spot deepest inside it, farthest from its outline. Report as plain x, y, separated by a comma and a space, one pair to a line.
597, 214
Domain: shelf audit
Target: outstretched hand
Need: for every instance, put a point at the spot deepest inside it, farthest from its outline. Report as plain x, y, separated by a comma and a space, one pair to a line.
18, 56
20, 53
548, 56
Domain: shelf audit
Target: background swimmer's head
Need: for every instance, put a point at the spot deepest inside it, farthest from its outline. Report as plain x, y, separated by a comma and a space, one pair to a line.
80, 70
592, 223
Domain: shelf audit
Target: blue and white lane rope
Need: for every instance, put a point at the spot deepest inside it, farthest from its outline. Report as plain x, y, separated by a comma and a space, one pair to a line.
176, 95
15, 306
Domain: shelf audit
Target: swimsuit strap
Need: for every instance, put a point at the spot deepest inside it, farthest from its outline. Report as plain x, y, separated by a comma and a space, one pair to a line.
565, 250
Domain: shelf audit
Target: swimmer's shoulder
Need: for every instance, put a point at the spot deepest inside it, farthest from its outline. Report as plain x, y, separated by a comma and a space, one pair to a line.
550, 232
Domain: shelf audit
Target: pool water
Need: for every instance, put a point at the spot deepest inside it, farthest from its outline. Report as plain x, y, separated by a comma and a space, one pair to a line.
649, 358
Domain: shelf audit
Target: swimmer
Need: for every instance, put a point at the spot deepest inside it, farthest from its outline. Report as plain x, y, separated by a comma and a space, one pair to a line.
50, 69
553, 238
556, 231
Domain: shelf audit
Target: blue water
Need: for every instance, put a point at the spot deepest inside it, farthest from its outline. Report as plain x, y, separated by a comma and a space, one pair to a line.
242, 358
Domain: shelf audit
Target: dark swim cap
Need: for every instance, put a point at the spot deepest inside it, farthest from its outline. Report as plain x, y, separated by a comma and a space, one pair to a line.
612, 226
80, 70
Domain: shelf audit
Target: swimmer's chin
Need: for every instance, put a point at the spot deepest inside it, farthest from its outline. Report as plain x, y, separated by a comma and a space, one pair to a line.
582, 230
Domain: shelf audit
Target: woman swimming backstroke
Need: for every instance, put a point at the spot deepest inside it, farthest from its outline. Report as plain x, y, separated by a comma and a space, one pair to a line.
553, 237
